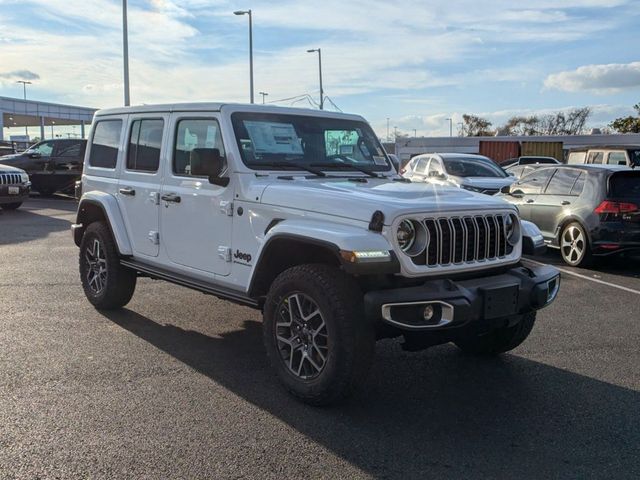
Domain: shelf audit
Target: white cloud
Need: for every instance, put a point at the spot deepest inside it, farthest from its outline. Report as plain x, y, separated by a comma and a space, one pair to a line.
602, 79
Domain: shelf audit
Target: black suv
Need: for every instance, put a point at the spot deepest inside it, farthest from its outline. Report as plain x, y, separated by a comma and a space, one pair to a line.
52, 165
584, 210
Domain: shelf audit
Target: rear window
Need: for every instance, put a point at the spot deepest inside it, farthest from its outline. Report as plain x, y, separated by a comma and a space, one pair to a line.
144, 145
625, 184
106, 141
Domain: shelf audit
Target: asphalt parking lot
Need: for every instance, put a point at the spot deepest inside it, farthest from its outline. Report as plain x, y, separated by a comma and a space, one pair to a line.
177, 385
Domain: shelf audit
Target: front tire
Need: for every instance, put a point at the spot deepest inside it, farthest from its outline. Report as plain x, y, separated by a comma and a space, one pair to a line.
106, 283
11, 206
499, 340
316, 335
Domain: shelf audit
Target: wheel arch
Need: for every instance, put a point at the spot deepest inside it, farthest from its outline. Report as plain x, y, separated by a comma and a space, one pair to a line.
566, 221
102, 207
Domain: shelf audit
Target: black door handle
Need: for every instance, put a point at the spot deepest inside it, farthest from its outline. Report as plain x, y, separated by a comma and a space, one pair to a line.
171, 197
566, 202
127, 191
530, 200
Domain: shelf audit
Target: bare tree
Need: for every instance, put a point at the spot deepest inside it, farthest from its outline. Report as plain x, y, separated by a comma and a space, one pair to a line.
475, 126
571, 122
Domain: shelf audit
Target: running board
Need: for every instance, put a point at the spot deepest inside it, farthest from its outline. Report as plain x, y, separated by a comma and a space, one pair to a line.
204, 287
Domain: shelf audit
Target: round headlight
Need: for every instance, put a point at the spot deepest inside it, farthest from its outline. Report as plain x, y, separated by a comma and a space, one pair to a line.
24, 178
412, 237
511, 229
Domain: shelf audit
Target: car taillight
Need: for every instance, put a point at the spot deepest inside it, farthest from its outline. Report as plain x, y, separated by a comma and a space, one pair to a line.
608, 206
402, 171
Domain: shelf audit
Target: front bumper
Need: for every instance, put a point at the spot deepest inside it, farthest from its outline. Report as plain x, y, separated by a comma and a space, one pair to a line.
455, 304
21, 195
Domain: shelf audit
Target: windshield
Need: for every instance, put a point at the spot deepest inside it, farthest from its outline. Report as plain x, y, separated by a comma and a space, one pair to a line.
472, 167
270, 141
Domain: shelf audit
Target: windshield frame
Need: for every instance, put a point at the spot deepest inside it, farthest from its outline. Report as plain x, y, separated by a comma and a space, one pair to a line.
301, 159
468, 158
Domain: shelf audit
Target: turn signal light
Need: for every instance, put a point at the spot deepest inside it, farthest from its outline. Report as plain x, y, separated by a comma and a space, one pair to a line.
616, 207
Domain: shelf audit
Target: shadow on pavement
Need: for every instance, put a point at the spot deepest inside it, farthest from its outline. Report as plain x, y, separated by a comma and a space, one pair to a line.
436, 413
626, 265
33, 220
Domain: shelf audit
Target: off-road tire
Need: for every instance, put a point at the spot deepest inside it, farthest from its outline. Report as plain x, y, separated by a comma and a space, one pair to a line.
120, 281
499, 340
350, 337
11, 206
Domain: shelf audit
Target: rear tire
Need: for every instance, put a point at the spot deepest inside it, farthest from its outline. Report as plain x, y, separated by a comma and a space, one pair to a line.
574, 246
11, 206
106, 283
316, 335
499, 340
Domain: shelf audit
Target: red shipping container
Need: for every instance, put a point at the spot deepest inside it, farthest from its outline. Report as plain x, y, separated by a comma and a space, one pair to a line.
499, 151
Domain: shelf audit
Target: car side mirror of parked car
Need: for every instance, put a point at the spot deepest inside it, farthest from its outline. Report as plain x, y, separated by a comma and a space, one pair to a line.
506, 190
208, 162
516, 193
34, 155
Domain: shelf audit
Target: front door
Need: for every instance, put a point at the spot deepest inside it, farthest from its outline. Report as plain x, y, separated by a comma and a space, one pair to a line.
196, 216
141, 179
525, 192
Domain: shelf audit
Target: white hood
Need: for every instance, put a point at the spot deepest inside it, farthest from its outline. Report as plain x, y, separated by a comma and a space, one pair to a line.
358, 200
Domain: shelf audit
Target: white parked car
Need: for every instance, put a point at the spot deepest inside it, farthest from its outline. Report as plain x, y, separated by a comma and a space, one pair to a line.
298, 213
471, 172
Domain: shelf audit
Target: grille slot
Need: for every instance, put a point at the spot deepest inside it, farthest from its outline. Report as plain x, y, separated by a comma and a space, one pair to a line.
10, 179
464, 239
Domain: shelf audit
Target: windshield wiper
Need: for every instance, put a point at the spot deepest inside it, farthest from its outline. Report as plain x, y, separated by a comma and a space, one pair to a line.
315, 171
349, 166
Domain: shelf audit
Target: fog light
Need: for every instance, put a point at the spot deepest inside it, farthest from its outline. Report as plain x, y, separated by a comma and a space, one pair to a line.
427, 313
553, 286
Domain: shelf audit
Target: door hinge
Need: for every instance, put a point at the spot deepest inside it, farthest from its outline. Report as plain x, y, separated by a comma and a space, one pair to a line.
154, 237
226, 207
224, 253
155, 197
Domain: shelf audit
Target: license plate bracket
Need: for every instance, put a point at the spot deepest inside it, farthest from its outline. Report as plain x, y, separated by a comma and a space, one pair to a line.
500, 301
13, 190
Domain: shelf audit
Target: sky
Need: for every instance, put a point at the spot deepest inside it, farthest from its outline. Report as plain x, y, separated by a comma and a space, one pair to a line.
414, 62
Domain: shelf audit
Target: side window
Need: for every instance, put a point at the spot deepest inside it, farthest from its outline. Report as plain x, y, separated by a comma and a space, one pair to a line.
435, 166
106, 141
535, 181
617, 158
595, 157
421, 166
562, 182
576, 157
198, 146
143, 153
579, 185
70, 150
45, 149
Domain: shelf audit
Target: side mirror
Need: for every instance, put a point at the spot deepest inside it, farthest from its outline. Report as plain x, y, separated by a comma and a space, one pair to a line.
516, 193
34, 155
506, 190
207, 162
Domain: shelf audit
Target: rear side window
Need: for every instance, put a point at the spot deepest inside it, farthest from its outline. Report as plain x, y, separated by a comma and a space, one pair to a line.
562, 182
579, 185
70, 150
576, 157
106, 141
196, 141
617, 158
421, 165
626, 185
595, 157
144, 145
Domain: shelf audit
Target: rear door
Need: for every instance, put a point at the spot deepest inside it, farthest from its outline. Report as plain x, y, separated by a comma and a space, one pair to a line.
555, 201
140, 181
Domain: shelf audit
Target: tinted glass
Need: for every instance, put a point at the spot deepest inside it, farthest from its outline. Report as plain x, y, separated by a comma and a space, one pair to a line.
634, 156
70, 150
472, 167
595, 157
45, 149
106, 141
579, 185
202, 135
625, 185
617, 158
534, 182
144, 145
562, 182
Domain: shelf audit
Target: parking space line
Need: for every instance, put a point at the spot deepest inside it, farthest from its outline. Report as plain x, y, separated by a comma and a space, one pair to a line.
595, 280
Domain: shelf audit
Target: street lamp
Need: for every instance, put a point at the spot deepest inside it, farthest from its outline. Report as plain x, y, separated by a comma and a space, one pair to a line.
125, 53
24, 92
415, 133
264, 94
320, 73
248, 12
450, 126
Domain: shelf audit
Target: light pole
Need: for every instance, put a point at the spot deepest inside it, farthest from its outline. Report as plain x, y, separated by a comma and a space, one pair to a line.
450, 126
264, 94
24, 93
125, 53
320, 73
461, 125
248, 12
415, 133
52, 124
395, 133
388, 139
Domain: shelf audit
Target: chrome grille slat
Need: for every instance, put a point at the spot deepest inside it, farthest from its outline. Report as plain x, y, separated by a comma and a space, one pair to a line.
10, 179
461, 240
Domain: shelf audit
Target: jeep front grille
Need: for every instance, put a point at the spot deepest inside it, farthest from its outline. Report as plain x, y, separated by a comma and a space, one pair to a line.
464, 239
10, 179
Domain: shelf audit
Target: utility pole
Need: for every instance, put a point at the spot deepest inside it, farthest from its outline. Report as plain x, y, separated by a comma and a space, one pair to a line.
320, 74
415, 133
264, 94
125, 53
388, 139
24, 93
395, 133
248, 12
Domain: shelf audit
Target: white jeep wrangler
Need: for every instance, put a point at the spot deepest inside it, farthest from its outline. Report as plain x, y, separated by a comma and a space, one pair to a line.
300, 214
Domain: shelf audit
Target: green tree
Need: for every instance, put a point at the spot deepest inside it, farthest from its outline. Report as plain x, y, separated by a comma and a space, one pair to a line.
628, 124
